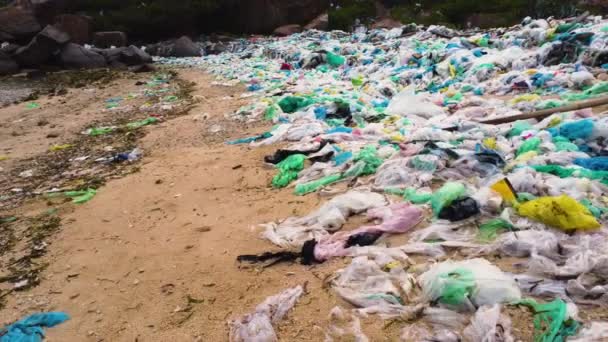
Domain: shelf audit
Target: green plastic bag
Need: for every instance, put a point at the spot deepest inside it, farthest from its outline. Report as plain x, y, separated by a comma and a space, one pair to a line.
288, 170
447, 194
335, 60
306, 188
291, 104
95, 131
596, 90
489, 230
518, 128
551, 323
415, 197
81, 196
457, 286
563, 144
141, 123
565, 172
531, 144
369, 155
595, 210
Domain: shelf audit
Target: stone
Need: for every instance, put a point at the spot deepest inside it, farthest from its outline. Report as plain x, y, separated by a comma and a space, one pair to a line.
18, 23
287, 30
10, 49
78, 27
245, 15
7, 65
185, 47
45, 44
320, 23
74, 56
105, 40
133, 55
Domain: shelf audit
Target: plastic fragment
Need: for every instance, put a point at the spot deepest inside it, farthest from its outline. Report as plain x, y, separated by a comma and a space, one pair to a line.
561, 212
288, 170
448, 193
551, 321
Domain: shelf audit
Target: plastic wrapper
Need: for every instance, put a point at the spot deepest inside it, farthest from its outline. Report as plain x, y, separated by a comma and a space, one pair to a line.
443, 197
344, 325
552, 321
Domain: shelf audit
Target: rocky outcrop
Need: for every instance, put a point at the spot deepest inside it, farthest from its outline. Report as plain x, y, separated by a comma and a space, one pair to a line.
17, 24
45, 44
78, 27
7, 65
133, 55
185, 47
287, 30
104, 40
320, 23
74, 56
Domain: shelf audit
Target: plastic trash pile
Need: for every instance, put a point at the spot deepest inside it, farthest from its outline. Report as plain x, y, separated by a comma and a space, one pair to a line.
388, 123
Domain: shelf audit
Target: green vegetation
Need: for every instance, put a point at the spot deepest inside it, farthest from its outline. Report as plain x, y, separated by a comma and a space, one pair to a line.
344, 17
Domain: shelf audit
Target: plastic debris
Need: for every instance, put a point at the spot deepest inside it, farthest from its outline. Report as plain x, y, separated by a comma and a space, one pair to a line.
30, 329
259, 325
561, 212
288, 170
551, 320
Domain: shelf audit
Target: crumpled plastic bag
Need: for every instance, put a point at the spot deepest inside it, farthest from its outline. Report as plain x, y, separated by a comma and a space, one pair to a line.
258, 325
465, 285
344, 325
595, 331
488, 325
561, 212
288, 170
448, 193
552, 321
408, 102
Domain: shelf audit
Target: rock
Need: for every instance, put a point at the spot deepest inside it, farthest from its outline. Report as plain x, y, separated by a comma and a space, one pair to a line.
7, 65
185, 47
78, 27
10, 49
142, 68
287, 30
133, 55
46, 43
319, 23
74, 56
47, 10
106, 40
18, 23
386, 23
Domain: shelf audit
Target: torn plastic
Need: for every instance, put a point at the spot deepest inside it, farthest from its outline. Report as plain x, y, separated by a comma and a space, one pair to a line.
259, 325
489, 325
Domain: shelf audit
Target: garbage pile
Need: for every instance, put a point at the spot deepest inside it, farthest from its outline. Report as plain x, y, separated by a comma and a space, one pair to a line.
388, 122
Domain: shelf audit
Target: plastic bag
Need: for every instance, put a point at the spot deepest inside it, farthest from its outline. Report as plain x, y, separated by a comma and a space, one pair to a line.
467, 284
408, 103
335, 60
459, 210
258, 326
595, 164
595, 331
448, 193
306, 188
488, 231
415, 197
288, 170
369, 155
291, 104
518, 128
488, 325
344, 326
581, 129
529, 145
551, 320
561, 212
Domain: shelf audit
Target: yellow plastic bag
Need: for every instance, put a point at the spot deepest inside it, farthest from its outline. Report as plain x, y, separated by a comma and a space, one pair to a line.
505, 189
561, 212
525, 98
490, 143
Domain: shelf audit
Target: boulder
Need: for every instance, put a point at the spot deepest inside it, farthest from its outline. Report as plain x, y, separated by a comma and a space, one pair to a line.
9, 49
78, 27
45, 44
74, 56
133, 55
47, 10
185, 47
18, 24
105, 40
287, 30
320, 23
7, 64
386, 23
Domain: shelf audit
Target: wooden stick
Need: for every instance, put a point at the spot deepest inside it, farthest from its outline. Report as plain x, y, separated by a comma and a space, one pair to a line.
541, 114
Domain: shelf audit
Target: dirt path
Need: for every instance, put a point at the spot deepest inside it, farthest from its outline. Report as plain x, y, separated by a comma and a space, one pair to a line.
152, 256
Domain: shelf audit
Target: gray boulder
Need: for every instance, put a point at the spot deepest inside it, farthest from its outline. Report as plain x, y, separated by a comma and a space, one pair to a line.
45, 44
18, 24
320, 23
7, 65
185, 47
133, 55
78, 27
74, 56
105, 40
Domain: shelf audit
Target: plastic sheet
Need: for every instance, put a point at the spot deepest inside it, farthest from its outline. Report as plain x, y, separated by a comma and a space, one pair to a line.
489, 325
288, 170
551, 320
448, 193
